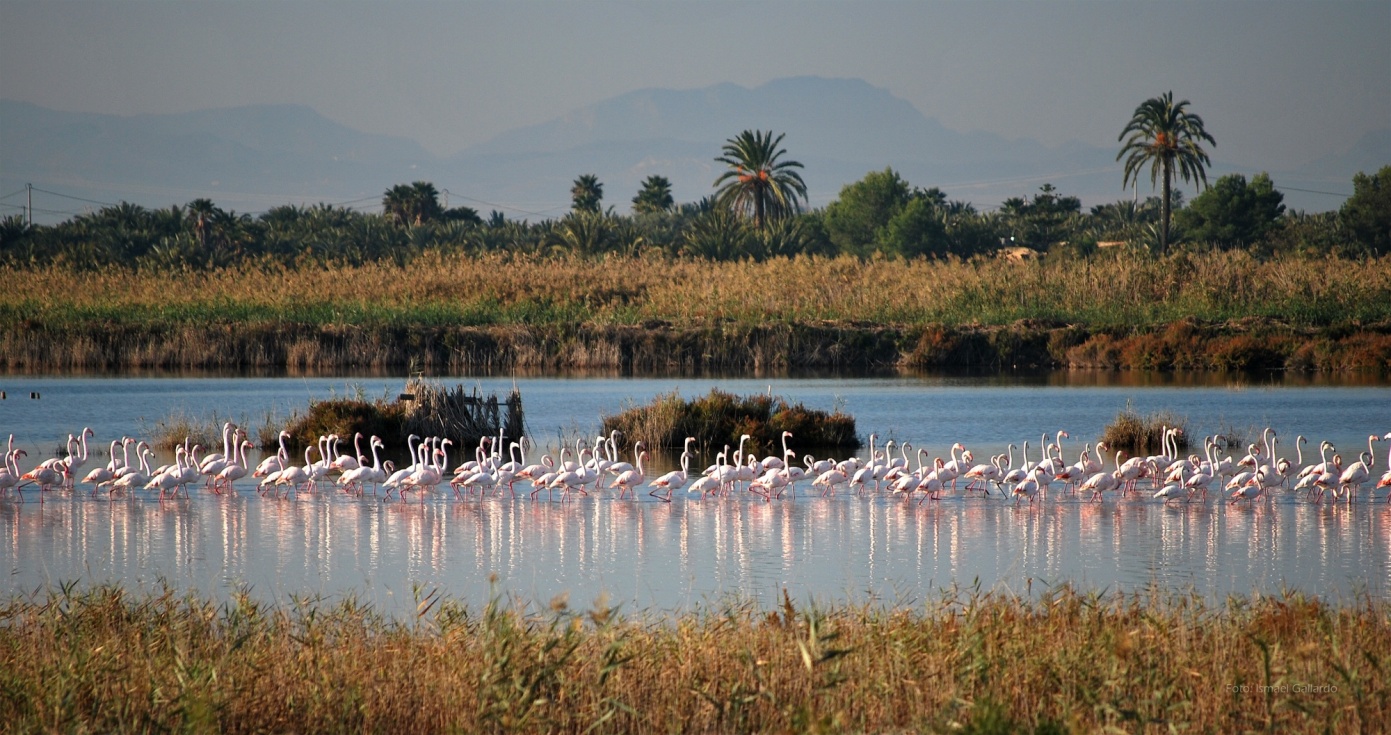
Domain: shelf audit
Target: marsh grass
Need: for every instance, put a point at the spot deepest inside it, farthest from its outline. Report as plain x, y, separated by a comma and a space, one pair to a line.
1143, 435
205, 430
104, 659
720, 417
647, 312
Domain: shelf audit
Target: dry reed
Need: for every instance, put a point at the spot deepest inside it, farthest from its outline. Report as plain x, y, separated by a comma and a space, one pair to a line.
111, 661
647, 312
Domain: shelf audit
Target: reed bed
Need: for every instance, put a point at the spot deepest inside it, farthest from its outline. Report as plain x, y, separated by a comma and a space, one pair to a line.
499, 311
437, 289
1143, 435
108, 660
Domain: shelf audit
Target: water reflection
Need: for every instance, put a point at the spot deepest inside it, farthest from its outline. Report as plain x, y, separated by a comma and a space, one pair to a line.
655, 555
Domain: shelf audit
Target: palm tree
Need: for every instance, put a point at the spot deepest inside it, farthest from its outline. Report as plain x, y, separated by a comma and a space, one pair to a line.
655, 196
757, 181
412, 204
587, 193
1163, 135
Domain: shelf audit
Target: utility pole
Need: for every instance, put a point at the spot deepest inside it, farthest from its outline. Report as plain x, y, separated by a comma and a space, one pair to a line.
29, 190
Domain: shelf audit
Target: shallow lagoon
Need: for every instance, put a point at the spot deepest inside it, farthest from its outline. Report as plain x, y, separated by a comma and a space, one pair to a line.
649, 554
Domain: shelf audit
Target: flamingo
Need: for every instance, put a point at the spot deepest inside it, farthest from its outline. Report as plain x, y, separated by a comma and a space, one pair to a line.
293, 476
981, 475
676, 479
9, 474
1385, 480
227, 432
1359, 472
1102, 482
235, 470
829, 481
357, 478
1028, 488
101, 475
1172, 490
632, 478
276, 461
137, 477
932, 485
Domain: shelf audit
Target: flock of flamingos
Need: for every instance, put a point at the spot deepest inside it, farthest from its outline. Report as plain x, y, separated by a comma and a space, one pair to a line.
1170, 477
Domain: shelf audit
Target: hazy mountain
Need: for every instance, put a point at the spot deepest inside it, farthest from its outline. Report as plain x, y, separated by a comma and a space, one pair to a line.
253, 158
245, 158
839, 129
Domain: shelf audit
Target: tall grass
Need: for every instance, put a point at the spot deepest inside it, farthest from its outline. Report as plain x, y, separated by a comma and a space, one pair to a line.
1143, 435
437, 289
1216, 311
107, 660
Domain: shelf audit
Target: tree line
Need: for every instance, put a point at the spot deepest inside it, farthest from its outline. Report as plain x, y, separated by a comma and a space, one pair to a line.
757, 211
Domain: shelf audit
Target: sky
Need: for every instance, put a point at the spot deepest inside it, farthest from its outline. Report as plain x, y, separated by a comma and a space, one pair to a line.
1277, 83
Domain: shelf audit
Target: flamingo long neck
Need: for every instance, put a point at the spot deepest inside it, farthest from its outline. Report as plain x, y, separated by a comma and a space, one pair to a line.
376, 461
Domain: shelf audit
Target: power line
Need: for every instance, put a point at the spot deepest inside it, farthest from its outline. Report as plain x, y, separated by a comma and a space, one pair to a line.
1314, 191
21, 191
80, 199
501, 206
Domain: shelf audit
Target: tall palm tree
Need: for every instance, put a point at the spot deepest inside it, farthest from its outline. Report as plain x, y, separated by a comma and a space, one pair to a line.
412, 204
655, 195
757, 181
587, 193
1165, 135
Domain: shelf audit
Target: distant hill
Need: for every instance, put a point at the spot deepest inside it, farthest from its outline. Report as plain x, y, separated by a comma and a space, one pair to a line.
252, 158
244, 158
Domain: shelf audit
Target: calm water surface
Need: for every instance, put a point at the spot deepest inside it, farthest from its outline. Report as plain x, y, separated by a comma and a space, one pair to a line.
651, 555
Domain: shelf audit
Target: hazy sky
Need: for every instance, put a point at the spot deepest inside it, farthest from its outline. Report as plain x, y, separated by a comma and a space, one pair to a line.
1278, 83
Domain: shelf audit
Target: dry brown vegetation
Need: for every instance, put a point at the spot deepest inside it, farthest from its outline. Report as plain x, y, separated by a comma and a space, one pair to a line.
1223, 310
108, 661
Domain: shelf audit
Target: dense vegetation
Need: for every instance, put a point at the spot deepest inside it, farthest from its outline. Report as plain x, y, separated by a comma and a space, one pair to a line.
1224, 310
104, 660
724, 418
887, 274
881, 214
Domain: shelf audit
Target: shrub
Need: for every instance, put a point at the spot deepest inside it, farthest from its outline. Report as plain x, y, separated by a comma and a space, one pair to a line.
719, 418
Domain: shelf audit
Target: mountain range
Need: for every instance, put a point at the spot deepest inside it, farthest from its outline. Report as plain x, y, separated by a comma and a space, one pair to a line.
252, 158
